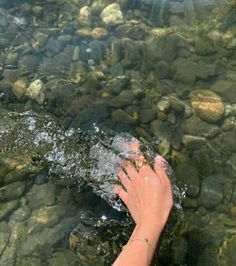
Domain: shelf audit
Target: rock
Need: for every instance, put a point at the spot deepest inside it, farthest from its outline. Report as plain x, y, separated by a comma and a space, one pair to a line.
19, 88
164, 148
7, 208
35, 91
226, 89
42, 195
203, 47
118, 102
4, 236
187, 175
147, 115
85, 15
227, 252
163, 70
133, 52
185, 70
10, 75
179, 251
28, 63
112, 15
21, 214
177, 105
208, 105
64, 257
193, 142
99, 33
117, 84
121, 116
12, 190
212, 191
163, 105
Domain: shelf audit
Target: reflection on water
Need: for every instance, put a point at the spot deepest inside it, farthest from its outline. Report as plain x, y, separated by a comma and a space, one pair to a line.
78, 79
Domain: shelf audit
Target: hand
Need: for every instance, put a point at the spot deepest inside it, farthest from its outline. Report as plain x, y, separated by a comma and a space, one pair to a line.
146, 192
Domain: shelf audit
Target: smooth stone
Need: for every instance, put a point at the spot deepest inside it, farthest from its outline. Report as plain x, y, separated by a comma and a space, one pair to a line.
99, 33
19, 88
212, 191
164, 148
163, 105
118, 102
187, 175
112, 15
121, 116
190, 203
147, 115
208, 105
21, 214
177, 105
226, 89
42, 195
7, 208
35, 91
193, 142
5, 233
196, 126
12, 190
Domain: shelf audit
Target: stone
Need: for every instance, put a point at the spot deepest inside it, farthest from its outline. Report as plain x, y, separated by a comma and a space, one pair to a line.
118, 102
227, 254
212, 191
28, 63
42, 195
193, 142
121, 116
4, 236
12, 190
207, 105
226, 89
179, 251
112, 15
185, 70
35, 91
7, 208
147, 115
64, 257
99, 33
21, 214
163, 105
177, 105
19, 88
188, 176
117, 84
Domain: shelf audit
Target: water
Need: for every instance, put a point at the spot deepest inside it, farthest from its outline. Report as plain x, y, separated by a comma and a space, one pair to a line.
75, 86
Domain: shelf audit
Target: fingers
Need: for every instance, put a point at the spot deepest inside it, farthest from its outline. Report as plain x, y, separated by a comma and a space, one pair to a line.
160, 169
121, 193
147, 171
131, 171
124, 179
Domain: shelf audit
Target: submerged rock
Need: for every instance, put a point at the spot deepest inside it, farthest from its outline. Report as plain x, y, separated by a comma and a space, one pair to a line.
35, 91
112, 15
208, 105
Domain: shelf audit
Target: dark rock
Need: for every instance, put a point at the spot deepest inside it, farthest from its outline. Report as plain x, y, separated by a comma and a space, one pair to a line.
226, 89
118, 102
163, 70
12, 191
28, 63
193, 142
121, 116
21, 214
212, 191
147, 115
185, 70
117, 84
5, 233
7, 208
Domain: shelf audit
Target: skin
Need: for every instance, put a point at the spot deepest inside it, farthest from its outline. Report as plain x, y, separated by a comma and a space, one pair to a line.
147, 193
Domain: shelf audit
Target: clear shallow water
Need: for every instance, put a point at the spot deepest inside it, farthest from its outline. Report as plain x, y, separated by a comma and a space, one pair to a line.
73, 81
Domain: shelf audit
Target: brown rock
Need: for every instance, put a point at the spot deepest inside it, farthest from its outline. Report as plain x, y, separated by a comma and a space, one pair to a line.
99, 33
208, 105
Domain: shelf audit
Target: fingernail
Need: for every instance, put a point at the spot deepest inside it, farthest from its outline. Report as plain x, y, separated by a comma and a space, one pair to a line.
160, 160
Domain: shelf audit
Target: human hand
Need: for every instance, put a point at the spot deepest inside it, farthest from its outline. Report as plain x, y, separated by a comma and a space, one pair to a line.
146, 192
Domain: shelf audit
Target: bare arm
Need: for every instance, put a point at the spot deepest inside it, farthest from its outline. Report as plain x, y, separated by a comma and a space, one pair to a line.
147, 194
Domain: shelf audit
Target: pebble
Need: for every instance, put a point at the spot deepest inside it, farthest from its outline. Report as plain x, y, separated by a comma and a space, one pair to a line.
35, 91
208, 105
193, 142
112, 15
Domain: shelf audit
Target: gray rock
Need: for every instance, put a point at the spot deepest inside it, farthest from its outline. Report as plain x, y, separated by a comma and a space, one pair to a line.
185, 70
187, 175
179, 251
112, 15
147, 115
64, 257
212, 191
12, 190
7, 208
121, 116
226, 89
42, 195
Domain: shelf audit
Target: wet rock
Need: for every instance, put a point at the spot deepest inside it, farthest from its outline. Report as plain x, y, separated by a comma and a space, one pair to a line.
185, 70
21, 214
64, 257
177, 105
190, 203
164, 148
193, 142
227, 252
28, 63
19, 88
12, 191
212, 191
196, 126
116, 51
118, 102
112, 15
117, 84
4, 236
28, 261
163, 70
130, 30
35, 91
7, 208
203, 47
42, 195
132, 52
85, 15
188, 176
10, 75
163, 105
226, 89
179, 251
208, 105
99, 33
121, 116
147, 115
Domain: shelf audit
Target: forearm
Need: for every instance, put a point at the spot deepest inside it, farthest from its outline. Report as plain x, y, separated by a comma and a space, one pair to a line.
140, 248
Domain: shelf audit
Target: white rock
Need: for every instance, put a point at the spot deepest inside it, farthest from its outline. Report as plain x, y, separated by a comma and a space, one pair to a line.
35, 91
112, 15
85, 11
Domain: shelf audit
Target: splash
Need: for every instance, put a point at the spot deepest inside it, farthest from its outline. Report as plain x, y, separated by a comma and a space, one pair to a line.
89, 158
